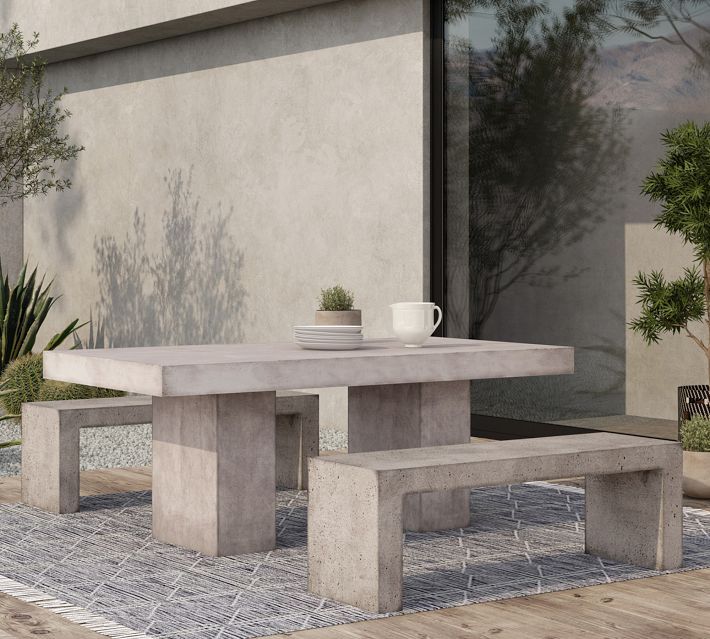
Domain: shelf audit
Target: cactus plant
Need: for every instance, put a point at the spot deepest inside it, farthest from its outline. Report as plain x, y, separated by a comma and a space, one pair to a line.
52, 391
22, 382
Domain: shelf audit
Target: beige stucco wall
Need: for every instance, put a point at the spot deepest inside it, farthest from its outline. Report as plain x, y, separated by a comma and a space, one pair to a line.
653, 373
261, 161
72, 21
11, 238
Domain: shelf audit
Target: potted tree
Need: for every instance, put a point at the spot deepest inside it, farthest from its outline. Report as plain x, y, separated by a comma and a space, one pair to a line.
681, 183
695, 437
336, 308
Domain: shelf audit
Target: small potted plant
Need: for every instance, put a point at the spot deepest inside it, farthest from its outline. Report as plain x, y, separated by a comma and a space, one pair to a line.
336, 308
695, 438
681, 183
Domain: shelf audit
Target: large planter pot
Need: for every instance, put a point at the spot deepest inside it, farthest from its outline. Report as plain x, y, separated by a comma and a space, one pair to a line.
696, 474
338, 318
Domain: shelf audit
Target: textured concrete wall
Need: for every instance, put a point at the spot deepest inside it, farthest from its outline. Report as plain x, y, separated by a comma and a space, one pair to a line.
230, 174
72, 21
653, 373
11, 238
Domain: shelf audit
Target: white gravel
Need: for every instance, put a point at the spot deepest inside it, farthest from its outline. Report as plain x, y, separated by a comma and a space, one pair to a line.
120, 446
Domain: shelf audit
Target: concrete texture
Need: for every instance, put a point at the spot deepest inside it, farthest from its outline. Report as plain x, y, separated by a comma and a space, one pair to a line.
50, 449
214, 472
66, 33
636, 517
653, 373
290, 138
241, 368
413, 416
50, 445
297, 438
340, 318
355, 503
11, 231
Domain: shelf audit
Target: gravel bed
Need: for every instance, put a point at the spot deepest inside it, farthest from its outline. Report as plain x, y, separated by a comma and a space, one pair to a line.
119, 446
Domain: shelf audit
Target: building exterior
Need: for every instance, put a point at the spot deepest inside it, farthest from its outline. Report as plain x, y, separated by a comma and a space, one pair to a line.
242, 154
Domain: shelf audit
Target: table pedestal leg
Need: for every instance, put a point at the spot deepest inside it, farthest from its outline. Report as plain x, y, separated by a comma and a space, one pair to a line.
214, 472
413, 416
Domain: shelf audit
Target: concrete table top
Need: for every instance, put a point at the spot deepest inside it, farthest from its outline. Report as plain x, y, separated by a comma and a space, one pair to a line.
173, 371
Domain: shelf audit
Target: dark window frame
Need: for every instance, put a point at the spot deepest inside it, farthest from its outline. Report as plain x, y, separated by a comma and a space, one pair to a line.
437, 225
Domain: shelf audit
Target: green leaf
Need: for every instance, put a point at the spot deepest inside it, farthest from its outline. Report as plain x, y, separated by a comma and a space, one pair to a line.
23, 310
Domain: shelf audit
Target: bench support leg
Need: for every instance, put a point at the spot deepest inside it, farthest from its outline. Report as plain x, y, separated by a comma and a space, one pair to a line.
412, 416
296, 441
50, 461
214, 472
636, 518
355, 539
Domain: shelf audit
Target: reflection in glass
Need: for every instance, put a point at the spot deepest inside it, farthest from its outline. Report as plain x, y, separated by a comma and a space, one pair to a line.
553, 115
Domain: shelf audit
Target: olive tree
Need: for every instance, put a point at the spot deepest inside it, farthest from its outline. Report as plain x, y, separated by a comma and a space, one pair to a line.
32, 145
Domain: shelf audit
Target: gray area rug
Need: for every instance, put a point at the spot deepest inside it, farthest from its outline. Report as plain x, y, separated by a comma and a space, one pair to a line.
101, 568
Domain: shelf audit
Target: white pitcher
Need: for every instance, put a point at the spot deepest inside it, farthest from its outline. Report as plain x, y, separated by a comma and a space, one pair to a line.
413, 322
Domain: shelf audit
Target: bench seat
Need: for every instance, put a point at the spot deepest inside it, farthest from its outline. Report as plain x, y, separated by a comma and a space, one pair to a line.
633, 503
50, 442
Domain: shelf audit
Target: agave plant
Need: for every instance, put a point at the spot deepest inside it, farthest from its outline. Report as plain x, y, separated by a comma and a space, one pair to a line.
23, 310
96, 337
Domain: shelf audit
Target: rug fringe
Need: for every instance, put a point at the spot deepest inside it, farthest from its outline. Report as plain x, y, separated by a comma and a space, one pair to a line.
68, 611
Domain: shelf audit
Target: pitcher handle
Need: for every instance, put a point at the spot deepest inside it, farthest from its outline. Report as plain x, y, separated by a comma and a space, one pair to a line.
441, 314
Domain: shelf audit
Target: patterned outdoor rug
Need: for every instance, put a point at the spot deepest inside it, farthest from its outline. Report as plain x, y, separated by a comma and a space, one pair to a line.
101, 568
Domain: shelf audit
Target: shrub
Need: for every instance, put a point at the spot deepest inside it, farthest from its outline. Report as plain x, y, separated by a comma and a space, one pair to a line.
22, 382
52, 391
336, 299
695, 435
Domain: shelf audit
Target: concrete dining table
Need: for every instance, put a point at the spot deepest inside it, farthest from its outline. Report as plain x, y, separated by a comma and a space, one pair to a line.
214, 420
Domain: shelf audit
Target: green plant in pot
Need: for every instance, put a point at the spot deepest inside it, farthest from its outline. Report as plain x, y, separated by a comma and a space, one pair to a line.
695, 438
336, 308
681, 184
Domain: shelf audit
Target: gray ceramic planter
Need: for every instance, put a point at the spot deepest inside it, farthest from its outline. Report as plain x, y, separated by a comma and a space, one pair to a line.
696, 474
338, 318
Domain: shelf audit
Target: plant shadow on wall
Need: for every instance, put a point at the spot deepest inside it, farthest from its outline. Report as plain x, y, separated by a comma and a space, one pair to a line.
188, 291
542, 158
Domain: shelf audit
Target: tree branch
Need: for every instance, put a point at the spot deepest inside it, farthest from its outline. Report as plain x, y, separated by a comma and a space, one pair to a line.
697, 340
690, 47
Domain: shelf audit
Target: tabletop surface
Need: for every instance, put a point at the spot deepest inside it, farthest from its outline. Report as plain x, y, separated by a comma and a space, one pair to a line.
232, 368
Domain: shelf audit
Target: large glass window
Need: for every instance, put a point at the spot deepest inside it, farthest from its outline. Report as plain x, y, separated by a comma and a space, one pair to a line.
553, 115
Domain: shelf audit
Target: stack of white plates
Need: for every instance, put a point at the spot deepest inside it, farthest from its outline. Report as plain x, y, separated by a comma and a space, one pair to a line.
328, 338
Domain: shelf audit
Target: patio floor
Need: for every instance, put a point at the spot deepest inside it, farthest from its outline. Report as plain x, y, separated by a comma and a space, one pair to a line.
662, 607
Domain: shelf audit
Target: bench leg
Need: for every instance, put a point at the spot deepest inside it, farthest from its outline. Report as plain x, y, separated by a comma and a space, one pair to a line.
355, 539
636, 518
288, 451
412, 416
214, 472
296, 442
50, 461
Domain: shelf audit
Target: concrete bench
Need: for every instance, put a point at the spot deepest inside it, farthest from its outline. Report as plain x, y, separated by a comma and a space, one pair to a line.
50, 442
633, 504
